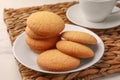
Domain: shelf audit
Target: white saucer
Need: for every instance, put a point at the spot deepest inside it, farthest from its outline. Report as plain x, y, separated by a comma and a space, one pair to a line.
27, 57
74, 15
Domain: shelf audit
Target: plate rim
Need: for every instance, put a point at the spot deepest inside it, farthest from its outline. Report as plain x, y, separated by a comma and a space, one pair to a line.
53, 72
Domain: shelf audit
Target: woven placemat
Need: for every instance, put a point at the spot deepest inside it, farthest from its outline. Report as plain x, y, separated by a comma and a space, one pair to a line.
15, 20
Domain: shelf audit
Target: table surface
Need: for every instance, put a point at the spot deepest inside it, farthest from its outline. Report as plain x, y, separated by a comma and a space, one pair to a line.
8, 68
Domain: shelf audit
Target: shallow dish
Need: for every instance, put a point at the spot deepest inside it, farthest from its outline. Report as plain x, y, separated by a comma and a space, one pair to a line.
74, 15
27, 57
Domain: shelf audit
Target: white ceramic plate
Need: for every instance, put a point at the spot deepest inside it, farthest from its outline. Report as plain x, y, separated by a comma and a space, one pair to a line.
74, 15
28, 58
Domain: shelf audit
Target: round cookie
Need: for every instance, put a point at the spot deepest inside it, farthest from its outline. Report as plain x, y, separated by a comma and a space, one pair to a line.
80, 37
54, 60
30, 33
74, 49
42, 44
45, 23
38, 51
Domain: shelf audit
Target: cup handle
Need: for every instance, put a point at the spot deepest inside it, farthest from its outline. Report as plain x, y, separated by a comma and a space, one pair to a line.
117, 10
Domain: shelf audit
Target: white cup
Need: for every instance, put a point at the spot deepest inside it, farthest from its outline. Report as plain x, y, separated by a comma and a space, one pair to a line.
97, 10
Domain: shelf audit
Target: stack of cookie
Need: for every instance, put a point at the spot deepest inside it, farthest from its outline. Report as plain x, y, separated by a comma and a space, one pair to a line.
75, 44
43, 36
68, 53
43, 30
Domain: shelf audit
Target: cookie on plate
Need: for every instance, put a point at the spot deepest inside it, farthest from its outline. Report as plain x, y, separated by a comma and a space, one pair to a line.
33, 35
54, 60
45, 23
80, 37
38, 51
41, 44
74, 49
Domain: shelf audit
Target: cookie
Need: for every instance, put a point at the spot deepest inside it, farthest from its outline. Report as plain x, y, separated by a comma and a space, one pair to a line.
31, 34
80, 37
42, 44
45, 23
54, 60
74, 49
38, 51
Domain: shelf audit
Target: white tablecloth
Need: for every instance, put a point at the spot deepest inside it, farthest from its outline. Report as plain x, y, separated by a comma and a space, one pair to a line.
8, 67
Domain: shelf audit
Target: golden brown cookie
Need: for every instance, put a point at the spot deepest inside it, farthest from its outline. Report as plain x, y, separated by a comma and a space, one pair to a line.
31, 34
38, 51
80, 37
42, 44
74, 49
54, 60
45, 23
